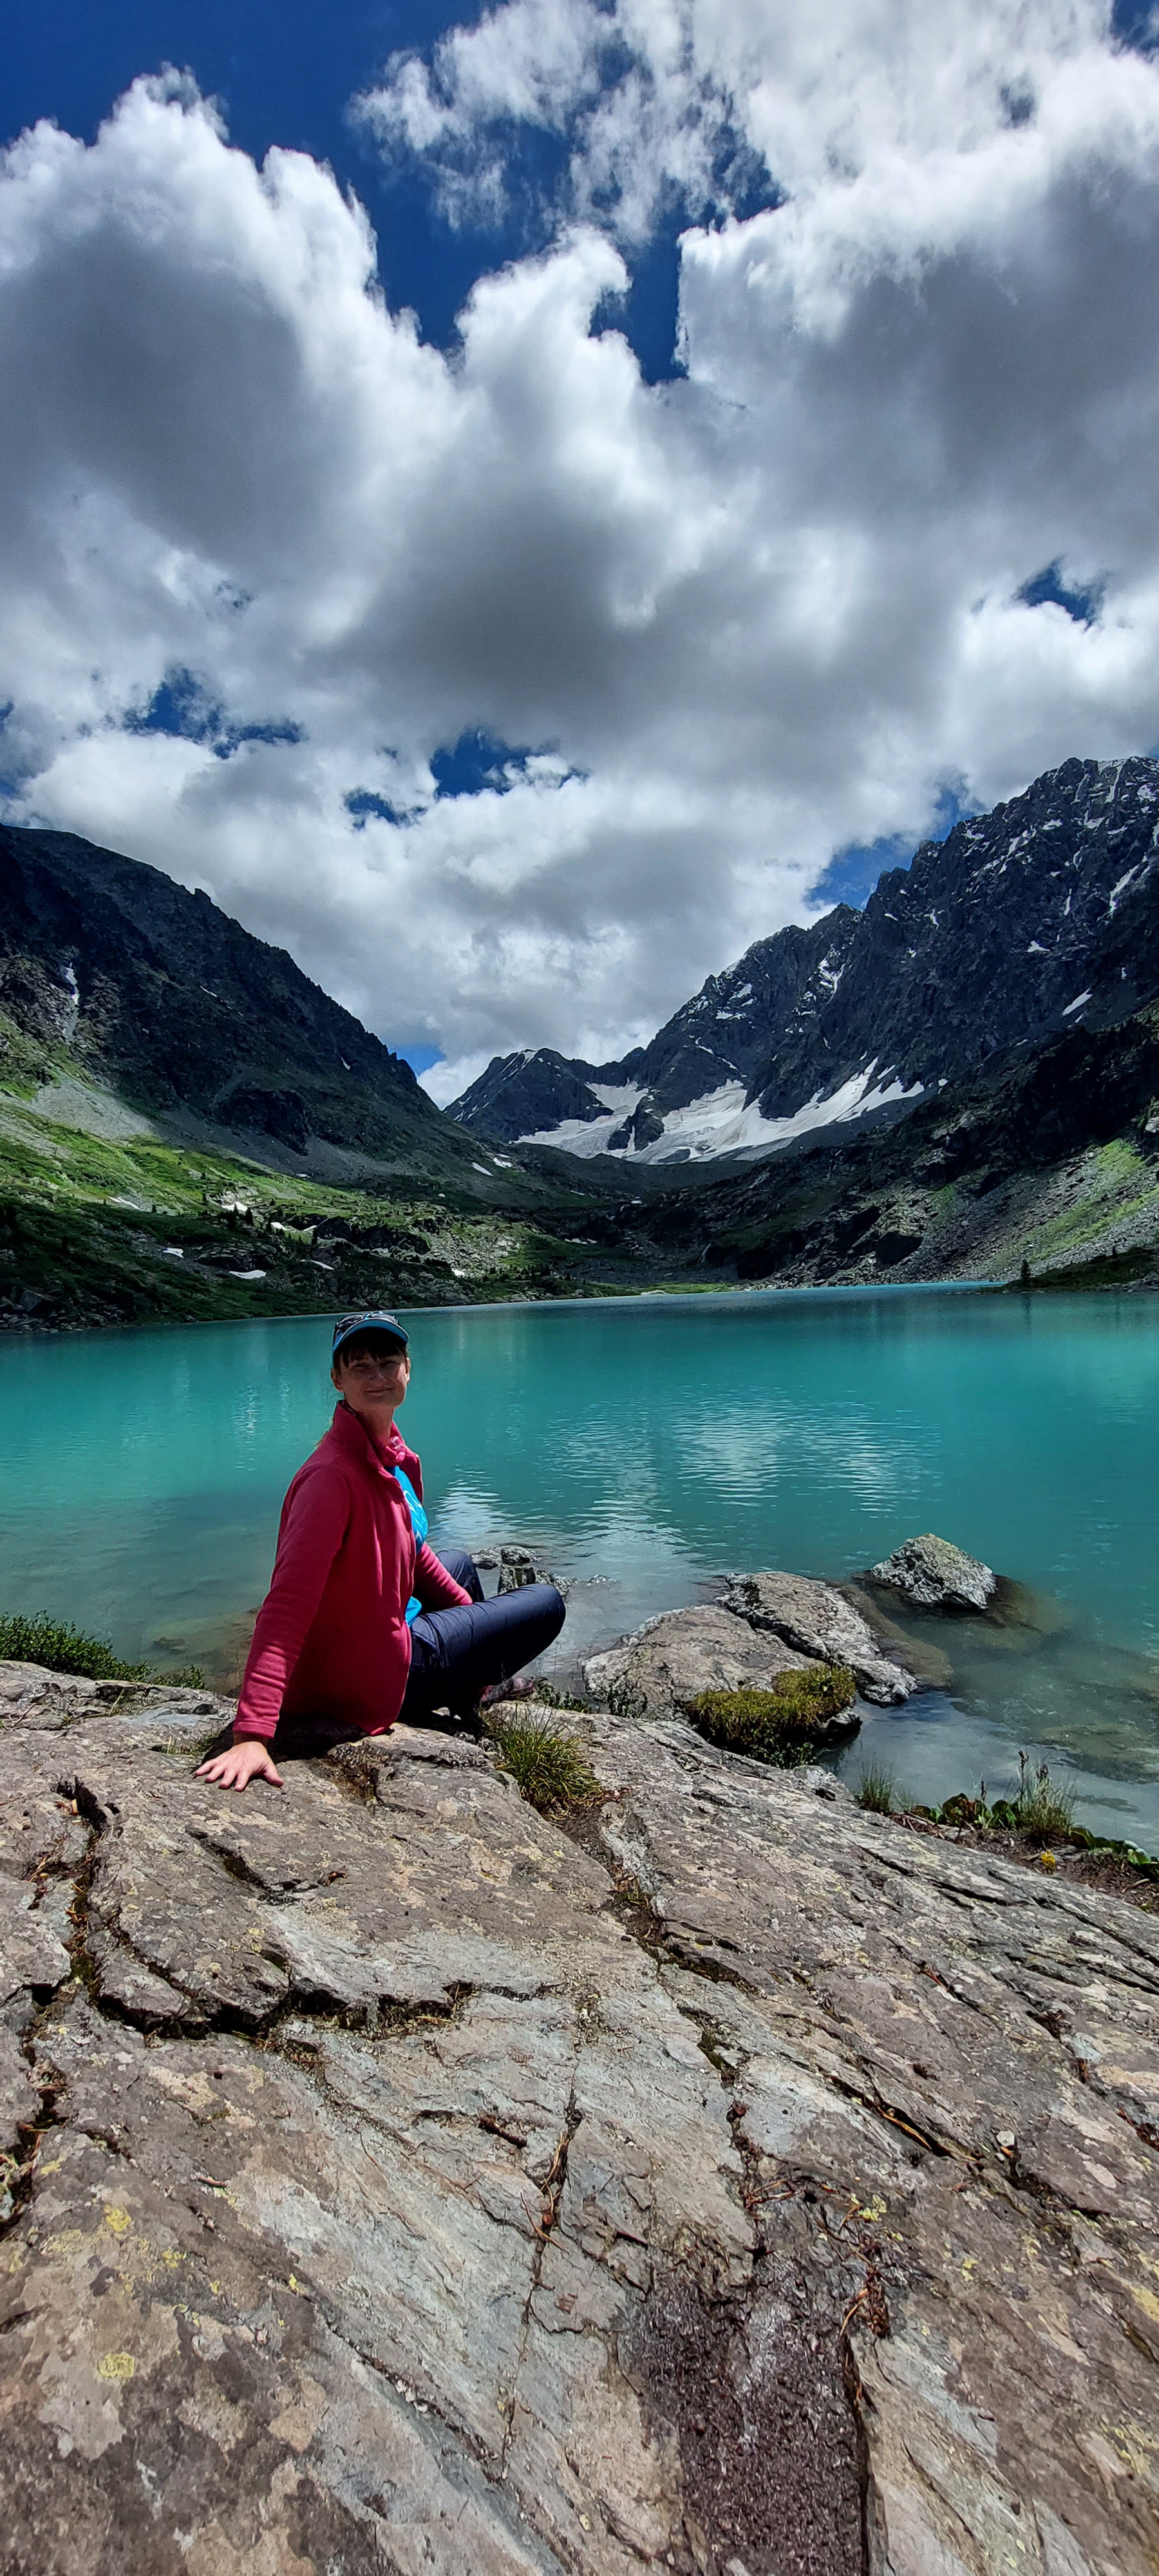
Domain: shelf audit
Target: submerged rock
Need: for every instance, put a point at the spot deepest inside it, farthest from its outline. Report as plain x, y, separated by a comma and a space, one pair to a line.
935, 1575
418, 2188
907, 1642
819, 1621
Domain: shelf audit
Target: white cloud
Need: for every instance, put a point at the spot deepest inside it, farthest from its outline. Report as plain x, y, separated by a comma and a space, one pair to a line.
755, 614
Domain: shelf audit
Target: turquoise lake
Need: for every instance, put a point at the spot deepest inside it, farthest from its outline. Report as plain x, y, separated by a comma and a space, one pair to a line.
645, 1446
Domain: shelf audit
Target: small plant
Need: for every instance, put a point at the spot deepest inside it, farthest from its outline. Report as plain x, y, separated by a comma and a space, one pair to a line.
61, 1648
549, 1697
875, 1789
1042, 1810
547, 1765
962, 1810
776, 1725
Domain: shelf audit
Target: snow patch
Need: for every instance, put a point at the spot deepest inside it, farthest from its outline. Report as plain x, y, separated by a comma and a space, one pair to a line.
1076, 1005
587, 1136
622, 1097
725, 1122
1117, 890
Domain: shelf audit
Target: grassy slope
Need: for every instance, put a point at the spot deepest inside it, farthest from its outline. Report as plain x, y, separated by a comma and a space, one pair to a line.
84, 1226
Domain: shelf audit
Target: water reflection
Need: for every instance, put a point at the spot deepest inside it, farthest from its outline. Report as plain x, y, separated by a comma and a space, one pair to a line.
646, 1448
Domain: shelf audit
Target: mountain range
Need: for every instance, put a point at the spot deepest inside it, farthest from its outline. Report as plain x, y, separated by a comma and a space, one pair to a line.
112, 971
1023, 924
960, 1082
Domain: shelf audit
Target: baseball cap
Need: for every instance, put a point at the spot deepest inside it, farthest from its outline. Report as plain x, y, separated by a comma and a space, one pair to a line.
375, 1320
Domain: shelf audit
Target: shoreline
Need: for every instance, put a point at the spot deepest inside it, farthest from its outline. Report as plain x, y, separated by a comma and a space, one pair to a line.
19, 1331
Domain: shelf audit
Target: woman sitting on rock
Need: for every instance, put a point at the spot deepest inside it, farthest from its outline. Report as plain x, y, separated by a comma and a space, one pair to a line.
362, 1622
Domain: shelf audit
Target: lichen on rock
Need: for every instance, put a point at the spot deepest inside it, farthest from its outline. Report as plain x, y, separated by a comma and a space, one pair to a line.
936, 1575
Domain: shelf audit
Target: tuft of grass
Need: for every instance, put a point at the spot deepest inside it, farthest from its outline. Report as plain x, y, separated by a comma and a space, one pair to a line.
61, 1648
546, 1763
1043, 1810
776, 1725
875, 1789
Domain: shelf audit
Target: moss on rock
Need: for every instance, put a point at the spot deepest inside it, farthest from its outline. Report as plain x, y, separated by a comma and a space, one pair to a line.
779, 1725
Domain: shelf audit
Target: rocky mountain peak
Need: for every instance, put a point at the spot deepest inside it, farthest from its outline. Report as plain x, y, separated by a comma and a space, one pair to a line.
1034, 918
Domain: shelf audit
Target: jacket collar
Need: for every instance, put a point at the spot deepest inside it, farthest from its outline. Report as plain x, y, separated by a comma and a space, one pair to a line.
353, 1436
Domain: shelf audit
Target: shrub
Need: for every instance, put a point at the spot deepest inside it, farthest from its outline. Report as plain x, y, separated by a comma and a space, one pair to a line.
61, 1648
776, 1725
875, 1789
547, 1765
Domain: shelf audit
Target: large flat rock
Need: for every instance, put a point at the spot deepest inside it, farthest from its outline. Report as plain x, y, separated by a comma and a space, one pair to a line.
820, 1622
671, 1660
751, 2184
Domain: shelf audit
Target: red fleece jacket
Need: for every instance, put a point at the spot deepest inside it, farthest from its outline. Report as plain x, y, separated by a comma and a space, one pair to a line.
331, 1638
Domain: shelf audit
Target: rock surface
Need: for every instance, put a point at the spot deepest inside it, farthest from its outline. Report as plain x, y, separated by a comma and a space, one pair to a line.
819, 1621
935, 1575
672, 1659
748, 2184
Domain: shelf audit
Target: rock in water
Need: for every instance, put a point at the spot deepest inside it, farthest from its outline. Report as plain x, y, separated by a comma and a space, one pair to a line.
936, 1575
673, 1659
818, 1621
416, 2188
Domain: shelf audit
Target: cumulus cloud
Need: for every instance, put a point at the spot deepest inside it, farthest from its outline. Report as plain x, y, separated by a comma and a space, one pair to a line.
265, 558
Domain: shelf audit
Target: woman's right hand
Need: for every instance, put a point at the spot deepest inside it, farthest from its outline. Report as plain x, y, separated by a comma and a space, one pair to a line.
248, 1759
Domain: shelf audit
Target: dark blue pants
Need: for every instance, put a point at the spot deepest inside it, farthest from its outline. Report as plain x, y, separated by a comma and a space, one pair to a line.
456, 1654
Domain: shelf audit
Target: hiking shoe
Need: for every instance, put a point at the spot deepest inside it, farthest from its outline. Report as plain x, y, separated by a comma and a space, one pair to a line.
497, 1692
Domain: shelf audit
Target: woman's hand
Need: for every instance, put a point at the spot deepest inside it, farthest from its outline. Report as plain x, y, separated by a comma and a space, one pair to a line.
248, 1759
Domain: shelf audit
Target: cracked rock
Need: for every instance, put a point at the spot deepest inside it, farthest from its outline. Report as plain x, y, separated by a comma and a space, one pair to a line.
401, 2184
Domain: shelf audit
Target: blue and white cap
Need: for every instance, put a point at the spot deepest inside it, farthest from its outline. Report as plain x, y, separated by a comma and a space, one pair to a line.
374, 1320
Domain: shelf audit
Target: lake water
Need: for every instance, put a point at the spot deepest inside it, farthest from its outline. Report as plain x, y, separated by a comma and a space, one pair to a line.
645, 1446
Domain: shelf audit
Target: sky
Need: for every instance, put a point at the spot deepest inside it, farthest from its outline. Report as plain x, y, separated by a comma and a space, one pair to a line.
519, 504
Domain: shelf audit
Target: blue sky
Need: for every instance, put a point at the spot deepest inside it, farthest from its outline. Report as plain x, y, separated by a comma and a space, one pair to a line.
286, 75
767, 477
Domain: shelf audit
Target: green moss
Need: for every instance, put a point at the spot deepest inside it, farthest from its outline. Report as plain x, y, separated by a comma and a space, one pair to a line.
777, 1725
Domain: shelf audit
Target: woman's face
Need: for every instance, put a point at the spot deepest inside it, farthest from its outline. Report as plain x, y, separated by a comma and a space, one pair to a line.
371, 1377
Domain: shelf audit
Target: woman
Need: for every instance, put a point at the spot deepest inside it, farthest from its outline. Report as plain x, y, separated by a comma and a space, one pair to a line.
362, 1622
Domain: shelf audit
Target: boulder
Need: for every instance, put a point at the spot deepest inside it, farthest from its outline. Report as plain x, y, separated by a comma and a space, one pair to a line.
935, 1575
817, 1620
745, 2182
673, 1659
